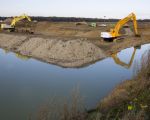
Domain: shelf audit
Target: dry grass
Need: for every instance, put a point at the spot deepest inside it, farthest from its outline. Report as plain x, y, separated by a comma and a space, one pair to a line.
57, 109
144, 71
131, 99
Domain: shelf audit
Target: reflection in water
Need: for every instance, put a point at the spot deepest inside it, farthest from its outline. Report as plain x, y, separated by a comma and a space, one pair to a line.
22, 57
123, 64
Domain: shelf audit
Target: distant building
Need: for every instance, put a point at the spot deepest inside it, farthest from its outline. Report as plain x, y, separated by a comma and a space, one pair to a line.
102, 25
35, 21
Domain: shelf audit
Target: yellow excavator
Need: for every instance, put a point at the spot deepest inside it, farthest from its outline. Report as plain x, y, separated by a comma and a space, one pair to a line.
11, 27
114, 33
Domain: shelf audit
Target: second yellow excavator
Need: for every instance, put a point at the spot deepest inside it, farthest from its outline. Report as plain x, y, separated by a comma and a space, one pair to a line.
114, 33
11, 27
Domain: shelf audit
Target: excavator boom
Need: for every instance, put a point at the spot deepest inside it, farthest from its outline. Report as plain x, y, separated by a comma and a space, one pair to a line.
121, 23
16, 19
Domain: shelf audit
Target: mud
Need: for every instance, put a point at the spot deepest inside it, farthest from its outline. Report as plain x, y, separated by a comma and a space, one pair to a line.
78, 49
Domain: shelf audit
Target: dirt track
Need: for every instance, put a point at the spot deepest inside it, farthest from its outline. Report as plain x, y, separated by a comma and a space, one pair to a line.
68, 48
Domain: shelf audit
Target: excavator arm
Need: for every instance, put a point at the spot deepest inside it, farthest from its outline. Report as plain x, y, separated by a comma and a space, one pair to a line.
114, 33
16, 19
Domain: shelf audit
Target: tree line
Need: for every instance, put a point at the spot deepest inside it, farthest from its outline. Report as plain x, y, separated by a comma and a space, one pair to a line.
73, 19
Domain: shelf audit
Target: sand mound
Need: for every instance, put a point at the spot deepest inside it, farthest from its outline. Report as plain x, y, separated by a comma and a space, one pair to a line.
73, 53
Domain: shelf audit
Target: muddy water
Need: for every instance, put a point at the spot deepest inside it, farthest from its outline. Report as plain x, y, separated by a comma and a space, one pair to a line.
26, 83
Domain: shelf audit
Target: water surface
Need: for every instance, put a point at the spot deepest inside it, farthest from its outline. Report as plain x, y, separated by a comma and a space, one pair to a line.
25, 84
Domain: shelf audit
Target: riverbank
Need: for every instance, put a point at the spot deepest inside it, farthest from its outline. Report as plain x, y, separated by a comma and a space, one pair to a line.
70, 44
131, 99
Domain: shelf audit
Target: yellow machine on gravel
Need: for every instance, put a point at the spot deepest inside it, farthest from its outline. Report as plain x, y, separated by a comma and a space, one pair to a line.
114, 33
11, 27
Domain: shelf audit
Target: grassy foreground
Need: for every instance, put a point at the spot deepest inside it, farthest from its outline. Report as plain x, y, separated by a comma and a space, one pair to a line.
131, 99
128, 101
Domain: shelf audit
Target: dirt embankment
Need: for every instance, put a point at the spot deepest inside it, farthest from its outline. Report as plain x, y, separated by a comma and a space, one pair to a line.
68, 45
71, 53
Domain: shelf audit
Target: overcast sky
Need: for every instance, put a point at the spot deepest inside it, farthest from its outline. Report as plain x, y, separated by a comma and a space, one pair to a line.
76, 8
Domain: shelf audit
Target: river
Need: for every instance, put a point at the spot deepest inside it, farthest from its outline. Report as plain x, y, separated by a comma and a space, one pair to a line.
26, 83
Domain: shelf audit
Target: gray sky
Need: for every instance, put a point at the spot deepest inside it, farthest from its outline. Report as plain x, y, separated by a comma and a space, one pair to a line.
76, 8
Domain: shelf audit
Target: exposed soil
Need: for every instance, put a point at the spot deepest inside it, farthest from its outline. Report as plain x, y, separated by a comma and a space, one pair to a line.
68, 44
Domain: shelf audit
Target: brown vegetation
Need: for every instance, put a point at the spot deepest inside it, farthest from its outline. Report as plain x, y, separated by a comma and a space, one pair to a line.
62, 109
131, 99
